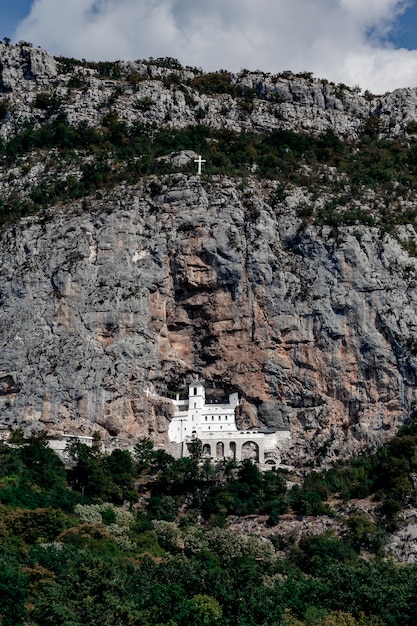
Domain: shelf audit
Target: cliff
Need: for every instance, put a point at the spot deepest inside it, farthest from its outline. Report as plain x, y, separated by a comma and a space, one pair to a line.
163, 93
100, 308
110, 301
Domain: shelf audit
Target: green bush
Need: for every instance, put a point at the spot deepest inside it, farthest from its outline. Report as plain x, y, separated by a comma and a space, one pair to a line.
13, 593
315, 554
46, 101
38, 525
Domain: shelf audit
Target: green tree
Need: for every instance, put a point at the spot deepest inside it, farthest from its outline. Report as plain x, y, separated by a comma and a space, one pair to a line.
204, 611
43, 466
38, 524
121, 468
32, 475
144, 454
88, 474
13, 590
195, 448
363, 532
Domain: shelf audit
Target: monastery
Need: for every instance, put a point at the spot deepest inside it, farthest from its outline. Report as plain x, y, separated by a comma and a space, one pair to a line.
215, 426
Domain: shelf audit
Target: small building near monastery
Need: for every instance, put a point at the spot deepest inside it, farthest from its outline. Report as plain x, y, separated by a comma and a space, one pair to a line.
215, 426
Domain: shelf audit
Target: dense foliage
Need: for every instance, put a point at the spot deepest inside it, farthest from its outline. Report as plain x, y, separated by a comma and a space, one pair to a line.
143, 538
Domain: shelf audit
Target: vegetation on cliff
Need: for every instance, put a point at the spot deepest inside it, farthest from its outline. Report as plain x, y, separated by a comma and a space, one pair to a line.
88, 161
144, 539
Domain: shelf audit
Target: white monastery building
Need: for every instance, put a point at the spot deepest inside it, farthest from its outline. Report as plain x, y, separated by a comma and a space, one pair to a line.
215, 426
213, 423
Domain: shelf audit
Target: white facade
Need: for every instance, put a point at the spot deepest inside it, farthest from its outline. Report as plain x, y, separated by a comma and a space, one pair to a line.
215, 426
196, 419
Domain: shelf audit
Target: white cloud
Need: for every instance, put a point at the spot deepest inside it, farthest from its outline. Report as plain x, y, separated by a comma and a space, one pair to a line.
372, 10
342, 40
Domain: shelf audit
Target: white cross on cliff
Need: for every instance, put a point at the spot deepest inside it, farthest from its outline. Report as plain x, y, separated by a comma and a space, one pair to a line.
199, 162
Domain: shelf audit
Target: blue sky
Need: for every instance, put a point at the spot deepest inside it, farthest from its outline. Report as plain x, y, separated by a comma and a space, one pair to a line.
11, 13
405, 30
370, 43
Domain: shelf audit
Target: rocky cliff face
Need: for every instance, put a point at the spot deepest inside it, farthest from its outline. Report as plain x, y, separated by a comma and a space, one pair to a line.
101, 308
108, 304
24, 66
162, 93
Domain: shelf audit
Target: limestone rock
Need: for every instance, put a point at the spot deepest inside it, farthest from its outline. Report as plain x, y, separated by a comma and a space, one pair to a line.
272, 414
143, 92
102, 311
179, 159
402, 544
110, 303
246, 417
22, 64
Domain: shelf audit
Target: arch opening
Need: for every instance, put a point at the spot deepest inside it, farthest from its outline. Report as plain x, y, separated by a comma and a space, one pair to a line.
220, 450
250, 450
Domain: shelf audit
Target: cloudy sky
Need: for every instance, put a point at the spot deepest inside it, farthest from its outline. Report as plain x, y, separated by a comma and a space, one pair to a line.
370, 43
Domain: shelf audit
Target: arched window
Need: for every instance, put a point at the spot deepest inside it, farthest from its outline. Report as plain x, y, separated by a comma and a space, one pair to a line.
232, 447
220, 450
271, 462
250, 450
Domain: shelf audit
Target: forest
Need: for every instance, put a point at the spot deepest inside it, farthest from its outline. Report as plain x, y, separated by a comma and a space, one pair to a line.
143, 538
